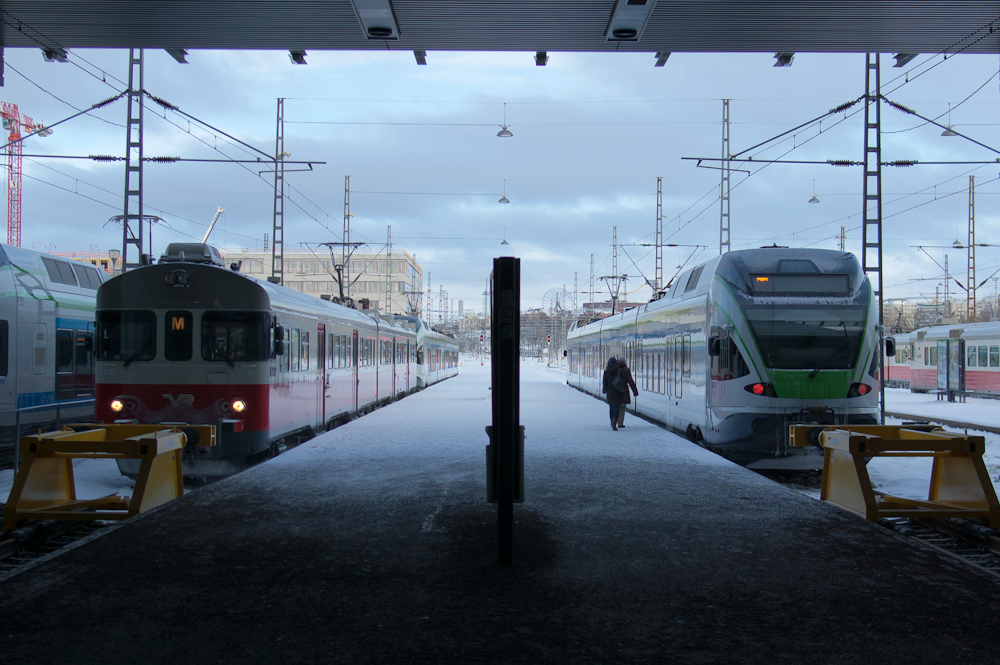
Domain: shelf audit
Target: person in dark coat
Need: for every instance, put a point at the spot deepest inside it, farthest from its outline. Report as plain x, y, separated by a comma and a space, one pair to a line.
626, 374
614, 397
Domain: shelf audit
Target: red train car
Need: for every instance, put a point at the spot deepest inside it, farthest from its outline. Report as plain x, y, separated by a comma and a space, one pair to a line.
190, 341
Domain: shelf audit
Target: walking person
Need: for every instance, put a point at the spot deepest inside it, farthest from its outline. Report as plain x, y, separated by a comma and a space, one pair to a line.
615, 397
626, 374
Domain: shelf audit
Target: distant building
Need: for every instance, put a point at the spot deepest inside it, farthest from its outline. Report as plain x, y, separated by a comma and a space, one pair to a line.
393, 285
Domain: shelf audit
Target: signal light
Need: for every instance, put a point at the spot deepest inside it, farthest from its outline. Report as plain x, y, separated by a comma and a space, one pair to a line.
239, 406
762, 389
858, 390
117, 405
481, 338
548, 338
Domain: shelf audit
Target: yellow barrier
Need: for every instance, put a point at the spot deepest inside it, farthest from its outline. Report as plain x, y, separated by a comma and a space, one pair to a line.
44, 487
960, 485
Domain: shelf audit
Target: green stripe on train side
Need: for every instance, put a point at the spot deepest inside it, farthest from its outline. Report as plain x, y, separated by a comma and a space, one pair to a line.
809, 384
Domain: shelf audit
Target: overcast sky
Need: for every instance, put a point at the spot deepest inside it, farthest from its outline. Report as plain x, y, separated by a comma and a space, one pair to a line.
592, 132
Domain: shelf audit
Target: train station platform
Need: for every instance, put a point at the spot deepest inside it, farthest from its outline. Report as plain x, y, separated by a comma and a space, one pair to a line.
374, 544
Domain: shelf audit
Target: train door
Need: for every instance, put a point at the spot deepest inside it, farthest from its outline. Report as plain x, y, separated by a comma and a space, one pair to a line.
354, 369
677, 341
394, 357
407, 360
323, 376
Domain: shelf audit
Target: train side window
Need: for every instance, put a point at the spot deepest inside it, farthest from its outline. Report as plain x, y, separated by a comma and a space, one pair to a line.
995, 356
304, 364
970, 360
983, 356
331, 351
87, 276
4, 346
178, 338
294, 349
60, 272
64, 351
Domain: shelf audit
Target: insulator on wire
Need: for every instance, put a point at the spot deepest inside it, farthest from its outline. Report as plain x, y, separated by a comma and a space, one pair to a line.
162, 102
841, 162
104, 158
161, 160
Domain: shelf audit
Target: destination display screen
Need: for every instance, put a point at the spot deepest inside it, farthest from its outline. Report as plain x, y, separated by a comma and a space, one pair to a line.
799, 285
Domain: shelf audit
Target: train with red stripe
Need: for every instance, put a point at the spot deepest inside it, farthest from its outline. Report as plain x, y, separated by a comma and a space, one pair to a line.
965, 356
190, 341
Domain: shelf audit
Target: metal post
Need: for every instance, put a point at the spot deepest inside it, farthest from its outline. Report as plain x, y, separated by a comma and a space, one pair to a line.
278, 241
970, 304
658, 278
871, 246
133, 166
504, 341
724, 185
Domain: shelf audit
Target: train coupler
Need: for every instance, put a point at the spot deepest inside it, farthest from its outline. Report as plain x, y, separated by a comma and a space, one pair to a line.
44, 486
960, 485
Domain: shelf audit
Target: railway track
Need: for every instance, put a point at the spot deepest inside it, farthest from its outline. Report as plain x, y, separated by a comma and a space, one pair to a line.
21, 548
969, 542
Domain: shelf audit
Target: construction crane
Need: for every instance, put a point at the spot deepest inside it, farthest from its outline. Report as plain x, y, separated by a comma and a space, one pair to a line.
218, 213
14, 121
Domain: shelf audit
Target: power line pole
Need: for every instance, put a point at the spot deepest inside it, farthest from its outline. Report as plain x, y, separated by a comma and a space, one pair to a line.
871, 244
970, 305
133, 165
278, 232
658, 277
724, 185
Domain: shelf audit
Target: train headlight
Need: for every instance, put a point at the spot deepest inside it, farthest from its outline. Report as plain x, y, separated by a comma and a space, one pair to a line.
239, 406
858, 390
762, 389
117, 405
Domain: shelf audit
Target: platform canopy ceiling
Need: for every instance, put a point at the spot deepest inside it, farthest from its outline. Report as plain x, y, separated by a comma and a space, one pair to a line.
884, 26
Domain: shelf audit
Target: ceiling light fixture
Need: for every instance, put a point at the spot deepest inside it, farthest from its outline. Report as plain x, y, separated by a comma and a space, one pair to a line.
661, 58
628, 20
297, 57
814, 199
783, 59
541, 58
504, 132
505, 236
504, 199
421, 57
948, 130
376, 18
178, 54
54, 54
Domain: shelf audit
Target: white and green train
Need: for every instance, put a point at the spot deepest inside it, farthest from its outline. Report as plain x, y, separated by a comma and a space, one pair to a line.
743, 346
46, 344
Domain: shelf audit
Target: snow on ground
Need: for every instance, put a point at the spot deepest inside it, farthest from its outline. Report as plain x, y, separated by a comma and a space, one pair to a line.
906, 477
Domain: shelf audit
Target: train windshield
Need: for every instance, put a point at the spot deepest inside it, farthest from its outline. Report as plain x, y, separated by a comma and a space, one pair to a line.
808, 337
127, 336
235, 336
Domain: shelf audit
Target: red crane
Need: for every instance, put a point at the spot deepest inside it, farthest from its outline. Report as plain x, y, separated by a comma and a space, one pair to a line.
13, 121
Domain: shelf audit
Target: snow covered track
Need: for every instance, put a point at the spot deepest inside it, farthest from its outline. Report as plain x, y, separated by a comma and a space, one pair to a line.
373, 543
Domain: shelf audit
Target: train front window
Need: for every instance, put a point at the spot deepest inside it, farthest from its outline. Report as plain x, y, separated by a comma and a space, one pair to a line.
127, 336
235, 336
808, 337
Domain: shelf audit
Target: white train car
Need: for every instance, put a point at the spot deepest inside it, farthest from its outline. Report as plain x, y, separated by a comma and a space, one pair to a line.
189, 341
46, 344
742, 347
437, 353
974, 353
897, 364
